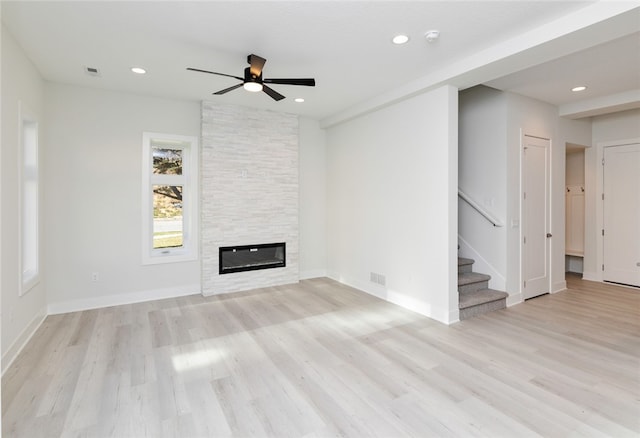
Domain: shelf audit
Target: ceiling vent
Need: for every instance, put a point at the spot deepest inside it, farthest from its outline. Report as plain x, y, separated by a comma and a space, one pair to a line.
92, 71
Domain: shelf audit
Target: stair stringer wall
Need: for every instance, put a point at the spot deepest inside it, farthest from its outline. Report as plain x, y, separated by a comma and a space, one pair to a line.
481, 265
482, 174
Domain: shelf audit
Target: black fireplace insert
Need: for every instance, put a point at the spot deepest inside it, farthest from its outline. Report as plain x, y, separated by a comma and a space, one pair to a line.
251, 257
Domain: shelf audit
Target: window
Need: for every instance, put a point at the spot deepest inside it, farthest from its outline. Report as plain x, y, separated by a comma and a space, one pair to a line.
29, 202
169, 198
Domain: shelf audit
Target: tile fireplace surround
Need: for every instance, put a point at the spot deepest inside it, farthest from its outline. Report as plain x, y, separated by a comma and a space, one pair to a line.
249, 191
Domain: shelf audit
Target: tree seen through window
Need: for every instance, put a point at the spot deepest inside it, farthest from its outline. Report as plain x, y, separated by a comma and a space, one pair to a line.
167, 199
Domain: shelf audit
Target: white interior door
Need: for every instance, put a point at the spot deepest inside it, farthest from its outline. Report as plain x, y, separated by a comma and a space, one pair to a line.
536, 248
621, 208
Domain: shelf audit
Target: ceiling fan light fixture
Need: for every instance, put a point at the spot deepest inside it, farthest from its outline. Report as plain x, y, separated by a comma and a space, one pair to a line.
254, 87
252, 80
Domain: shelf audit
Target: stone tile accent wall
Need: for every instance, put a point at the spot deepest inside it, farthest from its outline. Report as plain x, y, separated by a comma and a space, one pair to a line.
249, 191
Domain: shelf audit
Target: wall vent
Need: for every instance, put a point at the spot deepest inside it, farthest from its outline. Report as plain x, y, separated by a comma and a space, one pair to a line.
92, 71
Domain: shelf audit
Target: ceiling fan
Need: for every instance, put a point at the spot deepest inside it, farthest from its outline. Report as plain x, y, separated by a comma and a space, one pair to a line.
253, 80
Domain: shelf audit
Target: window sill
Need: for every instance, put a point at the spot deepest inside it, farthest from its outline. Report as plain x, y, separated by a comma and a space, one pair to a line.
168, 258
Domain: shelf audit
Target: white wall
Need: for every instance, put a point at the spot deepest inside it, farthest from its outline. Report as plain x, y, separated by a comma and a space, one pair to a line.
492, 124
93, 180
617, 126
528, 116
482, 162
575, 168
392, 203
313, 199
21, 84
577, 132
94, 155
1, 198
623, 125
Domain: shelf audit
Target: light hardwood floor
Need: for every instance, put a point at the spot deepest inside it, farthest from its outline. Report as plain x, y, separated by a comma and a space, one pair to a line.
321, 359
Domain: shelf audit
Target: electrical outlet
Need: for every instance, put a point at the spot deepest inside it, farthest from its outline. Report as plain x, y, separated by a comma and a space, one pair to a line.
95, 277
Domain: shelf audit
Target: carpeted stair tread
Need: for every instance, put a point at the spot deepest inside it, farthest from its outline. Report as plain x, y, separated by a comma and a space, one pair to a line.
465, 265
472, 277
480, 297
474, 296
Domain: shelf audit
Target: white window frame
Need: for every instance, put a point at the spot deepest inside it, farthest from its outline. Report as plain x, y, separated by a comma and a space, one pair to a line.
189, 182
28, 221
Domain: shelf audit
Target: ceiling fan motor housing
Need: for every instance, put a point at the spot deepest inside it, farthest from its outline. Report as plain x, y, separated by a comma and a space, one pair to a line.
248, 77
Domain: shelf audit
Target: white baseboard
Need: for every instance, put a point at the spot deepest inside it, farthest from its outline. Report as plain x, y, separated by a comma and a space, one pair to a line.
401, 299
25, 336
454, 316
514, 299
312, 273
120, 299
375, 290
598, 279
591, 276
559, 287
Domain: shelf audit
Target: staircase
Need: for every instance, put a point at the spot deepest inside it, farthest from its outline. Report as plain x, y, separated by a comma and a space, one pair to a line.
474, 295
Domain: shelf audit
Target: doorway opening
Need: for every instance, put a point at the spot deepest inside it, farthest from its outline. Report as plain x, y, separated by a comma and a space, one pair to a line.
574, 208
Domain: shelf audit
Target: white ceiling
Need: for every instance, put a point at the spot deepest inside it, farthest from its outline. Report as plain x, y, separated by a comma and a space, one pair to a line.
607, 69
345, 46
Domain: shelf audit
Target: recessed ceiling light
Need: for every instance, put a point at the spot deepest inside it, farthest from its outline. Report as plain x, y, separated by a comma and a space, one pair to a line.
432, 36
400, 39
580, 88
138, 70
299, 99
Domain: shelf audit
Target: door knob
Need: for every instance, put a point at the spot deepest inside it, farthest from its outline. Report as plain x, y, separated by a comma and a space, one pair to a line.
549, 235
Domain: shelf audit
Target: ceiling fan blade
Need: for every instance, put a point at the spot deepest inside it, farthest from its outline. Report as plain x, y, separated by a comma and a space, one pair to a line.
215, 73
273, 93
226, 90
302, 81
256, 63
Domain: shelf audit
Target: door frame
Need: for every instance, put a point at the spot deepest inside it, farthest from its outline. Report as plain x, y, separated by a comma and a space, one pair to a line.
599, 207
549, 169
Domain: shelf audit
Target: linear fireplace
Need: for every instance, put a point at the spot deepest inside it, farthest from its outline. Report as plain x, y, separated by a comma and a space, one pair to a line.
251, 257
